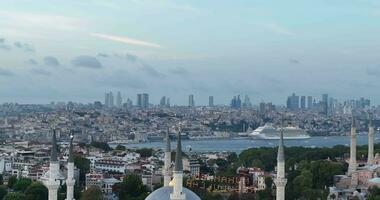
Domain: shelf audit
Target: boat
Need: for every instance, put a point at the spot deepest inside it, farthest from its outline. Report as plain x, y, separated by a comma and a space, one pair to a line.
270, 132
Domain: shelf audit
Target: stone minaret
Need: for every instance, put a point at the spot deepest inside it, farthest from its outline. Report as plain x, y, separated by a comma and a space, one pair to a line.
168, 160
70, 181
178, 173
280, 180
371, 131
352, 165
53, 183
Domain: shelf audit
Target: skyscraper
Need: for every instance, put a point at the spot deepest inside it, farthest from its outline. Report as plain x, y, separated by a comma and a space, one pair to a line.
163, 101
211, 101
108, 100
145, 100
325, 102
293, 102
236, 102
309, 102
247, 102
168, 102
139, 100
111, 101
119, 100
191, 100
303, 102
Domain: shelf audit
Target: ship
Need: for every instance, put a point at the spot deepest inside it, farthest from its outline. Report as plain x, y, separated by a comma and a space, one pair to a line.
269, 132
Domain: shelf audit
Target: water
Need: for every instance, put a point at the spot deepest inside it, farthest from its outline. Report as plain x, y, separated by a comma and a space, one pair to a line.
239, 144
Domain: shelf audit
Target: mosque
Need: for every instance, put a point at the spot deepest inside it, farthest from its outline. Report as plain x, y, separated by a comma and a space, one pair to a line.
52, 179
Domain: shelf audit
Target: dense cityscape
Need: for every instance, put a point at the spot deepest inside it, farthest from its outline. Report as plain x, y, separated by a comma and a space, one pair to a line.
99, 139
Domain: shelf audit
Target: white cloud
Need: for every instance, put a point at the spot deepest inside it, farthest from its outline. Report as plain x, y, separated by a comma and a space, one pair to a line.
40, 21
279, 29
126, 40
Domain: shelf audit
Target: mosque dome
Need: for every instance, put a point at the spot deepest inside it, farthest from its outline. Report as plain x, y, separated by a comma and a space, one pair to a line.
163, 193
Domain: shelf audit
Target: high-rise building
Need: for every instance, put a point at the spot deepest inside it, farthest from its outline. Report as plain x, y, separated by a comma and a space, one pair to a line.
325, 103
119, 100
191, 100
111, 101
247, 102
163, 101
139, 100
293, 102
108, 100
236, 102
129, 103
303, 102
168, 102
211, 101
145, 100
309, 102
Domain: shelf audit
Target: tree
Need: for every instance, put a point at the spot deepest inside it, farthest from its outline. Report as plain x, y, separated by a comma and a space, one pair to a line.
11, 181
120, 147
268, 182
1, 179
36, 191
101, 145
303, 184
145, 152
374, 193
14, 196
92, 193
3, 191
83, 164
131, 188
22, 184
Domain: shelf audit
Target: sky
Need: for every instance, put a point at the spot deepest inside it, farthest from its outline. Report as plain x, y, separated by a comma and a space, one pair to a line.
76, 50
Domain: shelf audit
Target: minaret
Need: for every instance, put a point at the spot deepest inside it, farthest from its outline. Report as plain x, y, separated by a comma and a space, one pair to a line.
352, 165
53, 182
280, 180
371, 131
70, 181
178, 172
168, 160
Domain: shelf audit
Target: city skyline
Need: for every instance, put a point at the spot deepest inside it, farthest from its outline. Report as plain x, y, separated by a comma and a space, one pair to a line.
77, 50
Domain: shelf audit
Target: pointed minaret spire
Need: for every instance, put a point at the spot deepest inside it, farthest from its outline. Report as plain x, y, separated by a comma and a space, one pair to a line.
178, 172
71, 156
352, 165
53, 182
167, 161
54, 148
281, 180
70, 181
371, 131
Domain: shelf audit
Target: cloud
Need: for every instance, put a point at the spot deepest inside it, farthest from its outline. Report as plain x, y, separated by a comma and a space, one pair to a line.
24, 46
121, 79
103, 55
149, 70
41, 72
5, 72
51, 61
31, 62
373, 71
124, 39
279, 29
178, 70
294, 61
87, 62
3, 45
131, 57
